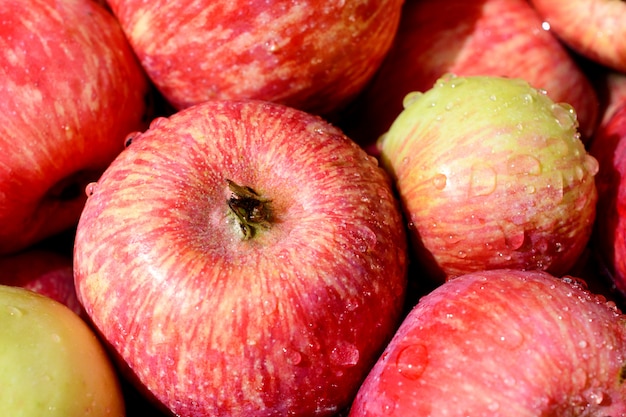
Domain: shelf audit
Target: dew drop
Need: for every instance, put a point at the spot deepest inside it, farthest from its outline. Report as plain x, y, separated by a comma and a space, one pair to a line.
344, 354
591, 164
90, 188
515, 237
565, 115
15, 311
493, 406
293, 356
524, 165
439, 181
512, 339
411, 98
412, 361
483, 180
55, 338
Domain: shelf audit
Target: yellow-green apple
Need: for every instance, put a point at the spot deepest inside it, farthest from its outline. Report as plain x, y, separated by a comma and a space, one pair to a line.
243, 258
51, 362
505, 343
595, 29
71, 90
492, 174
43, 271
609, 148
486, 37
315, 55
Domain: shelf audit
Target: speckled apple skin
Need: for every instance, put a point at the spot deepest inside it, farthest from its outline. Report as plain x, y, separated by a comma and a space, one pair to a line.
313, 55
287, 322
502, 343
71, 90
491, 174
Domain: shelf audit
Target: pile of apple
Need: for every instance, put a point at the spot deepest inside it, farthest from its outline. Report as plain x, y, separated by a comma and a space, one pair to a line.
313, 208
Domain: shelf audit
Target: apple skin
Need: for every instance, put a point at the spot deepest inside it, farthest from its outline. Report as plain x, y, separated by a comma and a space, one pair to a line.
609, 241
72, 89
286, 322
486, 37
313, 55
503, 343
51, 362
595, 29
42, 271
491, 174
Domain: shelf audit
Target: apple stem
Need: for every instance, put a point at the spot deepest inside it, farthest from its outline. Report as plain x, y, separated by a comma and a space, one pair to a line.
251, 209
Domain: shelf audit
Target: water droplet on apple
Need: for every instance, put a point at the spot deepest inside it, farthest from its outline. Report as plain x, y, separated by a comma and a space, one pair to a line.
565, 115
293, 356
271, 46
270, 305
493, 97
15, 311
344, 354
412, 361
55, 338
524, 165
591, 164
90, 188
493, 406
594, 396
515, 237
483, 179
411, 98
439, 181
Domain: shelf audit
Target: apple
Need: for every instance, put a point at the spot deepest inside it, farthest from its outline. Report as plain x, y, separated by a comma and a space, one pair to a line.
487, 37
594, 28
243, 258
609, 148
43, 271
51, 362
503, 343
72, 89
491, 174
314, 55
611, 86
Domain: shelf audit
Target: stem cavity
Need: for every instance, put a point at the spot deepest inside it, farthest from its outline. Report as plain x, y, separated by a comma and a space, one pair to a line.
251, 209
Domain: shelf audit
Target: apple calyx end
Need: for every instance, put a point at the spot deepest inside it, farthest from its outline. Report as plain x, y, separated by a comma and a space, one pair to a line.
251, 210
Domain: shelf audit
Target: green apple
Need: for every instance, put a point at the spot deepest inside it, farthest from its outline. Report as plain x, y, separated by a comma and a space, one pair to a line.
492, 174
51, 362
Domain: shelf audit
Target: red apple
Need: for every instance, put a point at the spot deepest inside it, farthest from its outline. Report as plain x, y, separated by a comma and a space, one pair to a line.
486, 37
71, 90
611, 86
315, 55
609, 148
243, 258
594, 28
503, 343
42, 271
491, 174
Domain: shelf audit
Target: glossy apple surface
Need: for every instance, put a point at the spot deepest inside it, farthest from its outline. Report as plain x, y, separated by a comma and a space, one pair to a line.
71, 90
51, 363
503, 343
491, 174
609, 147
42, 271
255, 261
485, 37
313, 55
594, 28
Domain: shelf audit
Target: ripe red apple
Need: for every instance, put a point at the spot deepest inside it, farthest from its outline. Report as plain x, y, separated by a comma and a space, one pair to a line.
315, 55
42, 271
52, 363
492, 174
503, 343
486, 37
594, 28
71, 90
243, 258
609, 148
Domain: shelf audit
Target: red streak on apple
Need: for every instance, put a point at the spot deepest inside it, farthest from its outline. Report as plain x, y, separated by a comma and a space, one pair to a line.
286, 321
71, 89
314, 55
503, 343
